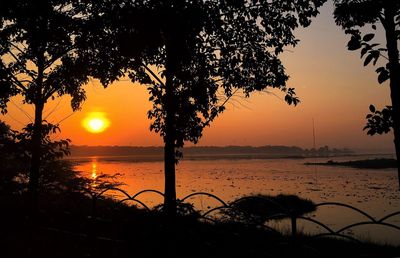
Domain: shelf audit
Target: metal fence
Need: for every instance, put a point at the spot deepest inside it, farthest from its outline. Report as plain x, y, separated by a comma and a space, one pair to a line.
293, 216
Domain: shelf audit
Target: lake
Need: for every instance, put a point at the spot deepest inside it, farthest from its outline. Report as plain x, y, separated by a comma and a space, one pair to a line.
373, 191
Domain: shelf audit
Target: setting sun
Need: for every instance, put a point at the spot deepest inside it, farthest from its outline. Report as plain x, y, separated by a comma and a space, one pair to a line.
96, 122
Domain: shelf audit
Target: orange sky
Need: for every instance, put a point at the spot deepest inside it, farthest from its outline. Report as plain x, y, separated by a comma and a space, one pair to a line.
334, 88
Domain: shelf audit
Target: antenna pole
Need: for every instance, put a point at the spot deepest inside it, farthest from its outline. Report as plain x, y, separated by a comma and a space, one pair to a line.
313, 132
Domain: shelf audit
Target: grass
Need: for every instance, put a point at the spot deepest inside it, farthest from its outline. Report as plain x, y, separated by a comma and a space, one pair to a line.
65, 228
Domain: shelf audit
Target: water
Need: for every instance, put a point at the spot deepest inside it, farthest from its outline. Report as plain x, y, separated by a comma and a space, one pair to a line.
373, 191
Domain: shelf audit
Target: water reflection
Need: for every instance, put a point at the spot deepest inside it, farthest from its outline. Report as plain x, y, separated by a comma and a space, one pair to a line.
94, 175
94, 169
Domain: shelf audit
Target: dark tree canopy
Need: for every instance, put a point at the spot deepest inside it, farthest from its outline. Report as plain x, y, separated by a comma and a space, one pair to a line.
210, 49
42, 56
39, 42
195, 55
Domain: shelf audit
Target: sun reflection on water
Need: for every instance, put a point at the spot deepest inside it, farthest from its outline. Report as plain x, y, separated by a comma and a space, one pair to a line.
93, 174
94, 169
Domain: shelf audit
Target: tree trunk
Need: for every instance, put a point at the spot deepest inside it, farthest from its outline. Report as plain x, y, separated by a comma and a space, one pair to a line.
33, 187
36, 141
394, 70
169, 140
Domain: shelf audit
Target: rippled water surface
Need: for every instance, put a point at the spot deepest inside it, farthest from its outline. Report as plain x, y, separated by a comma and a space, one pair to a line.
373, 191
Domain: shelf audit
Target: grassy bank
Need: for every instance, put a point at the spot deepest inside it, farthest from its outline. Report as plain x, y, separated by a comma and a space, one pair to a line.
65, 227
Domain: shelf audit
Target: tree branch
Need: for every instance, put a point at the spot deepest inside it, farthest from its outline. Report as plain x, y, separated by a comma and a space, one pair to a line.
383, 20
17, 83
207, 122
49, 93
15, 46
55, 58
384, 56
15, 57
153, 74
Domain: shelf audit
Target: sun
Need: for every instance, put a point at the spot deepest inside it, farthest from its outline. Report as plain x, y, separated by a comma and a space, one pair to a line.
96, 122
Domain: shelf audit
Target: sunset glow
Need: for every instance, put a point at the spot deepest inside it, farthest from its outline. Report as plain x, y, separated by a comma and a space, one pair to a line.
319, 84
96, 122
202, 128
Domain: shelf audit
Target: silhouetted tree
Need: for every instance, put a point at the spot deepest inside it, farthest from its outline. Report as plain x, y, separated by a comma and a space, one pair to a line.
207, 50
194, 56
353, 15
41, 59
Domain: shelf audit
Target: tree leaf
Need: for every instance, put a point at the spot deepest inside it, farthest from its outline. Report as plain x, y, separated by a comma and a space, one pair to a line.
363, 52
380, 69
368, 37
375, 56
383, 76
368, 59
353, 44
372, 108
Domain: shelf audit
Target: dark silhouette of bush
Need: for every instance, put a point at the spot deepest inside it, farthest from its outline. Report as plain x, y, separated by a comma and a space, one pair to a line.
257, 209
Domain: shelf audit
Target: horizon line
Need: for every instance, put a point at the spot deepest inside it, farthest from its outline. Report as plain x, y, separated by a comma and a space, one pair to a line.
211, 146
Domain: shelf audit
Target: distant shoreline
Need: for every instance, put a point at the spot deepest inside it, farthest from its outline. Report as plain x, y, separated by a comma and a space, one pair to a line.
83, 154
160, 158
362, 164
210, 152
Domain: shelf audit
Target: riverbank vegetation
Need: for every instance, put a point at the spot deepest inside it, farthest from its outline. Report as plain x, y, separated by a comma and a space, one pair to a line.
65, 227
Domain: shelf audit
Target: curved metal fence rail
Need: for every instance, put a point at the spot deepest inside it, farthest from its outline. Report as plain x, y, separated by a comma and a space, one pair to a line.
340, 232
128, 197
294, 218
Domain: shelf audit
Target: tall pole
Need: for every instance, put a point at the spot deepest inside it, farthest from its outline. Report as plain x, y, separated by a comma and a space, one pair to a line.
313, 132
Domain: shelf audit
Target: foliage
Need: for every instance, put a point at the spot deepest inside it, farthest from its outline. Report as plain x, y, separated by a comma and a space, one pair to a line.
7, 140
16, 155
11, 159
210, 50
39, 50
352, 16
99, 183
379, 121
258, 209
183, 209
50, 149
57, 176
42, 56
196, 55
371, 51
18, 152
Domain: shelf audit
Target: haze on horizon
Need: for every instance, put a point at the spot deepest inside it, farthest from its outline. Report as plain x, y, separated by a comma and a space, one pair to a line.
334, 88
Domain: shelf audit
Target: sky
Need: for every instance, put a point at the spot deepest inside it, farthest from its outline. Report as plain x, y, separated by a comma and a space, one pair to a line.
334, 88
